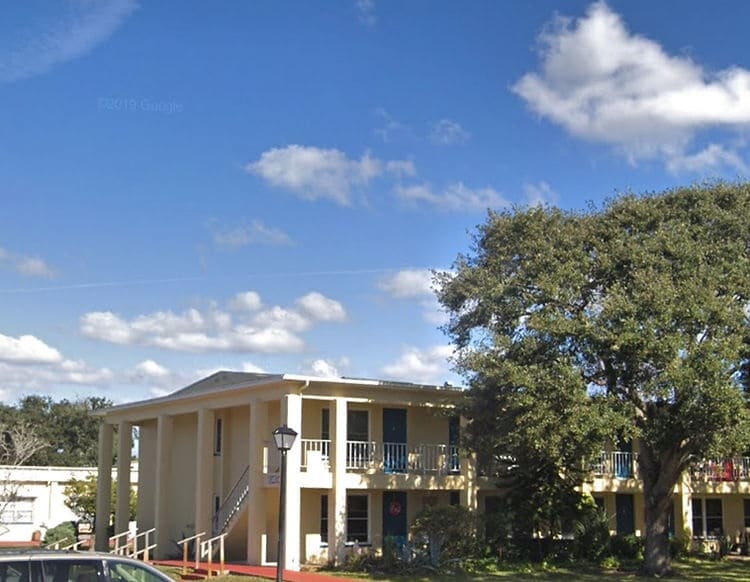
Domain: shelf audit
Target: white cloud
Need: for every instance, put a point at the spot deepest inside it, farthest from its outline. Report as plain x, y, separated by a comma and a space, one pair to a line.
390, 128
64, 37
408, 284
246, 301
401, 168
366, 12
26, 266
456, 197
603, 83
252, 368
713, 156
321, 308
325, 368
539, 194
27, 349
151, 369
249, 328
314, 173
255, 233
428, 366
448, 132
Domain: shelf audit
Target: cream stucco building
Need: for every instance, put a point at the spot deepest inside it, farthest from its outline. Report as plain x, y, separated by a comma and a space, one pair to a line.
369, 456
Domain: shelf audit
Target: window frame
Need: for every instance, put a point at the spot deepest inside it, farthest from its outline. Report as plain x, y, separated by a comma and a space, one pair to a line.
350, 539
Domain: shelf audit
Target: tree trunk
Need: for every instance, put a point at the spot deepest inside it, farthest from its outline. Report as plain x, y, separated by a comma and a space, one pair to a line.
659, 473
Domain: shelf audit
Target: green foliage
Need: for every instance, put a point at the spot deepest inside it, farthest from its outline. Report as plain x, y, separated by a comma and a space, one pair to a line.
62, 531
67, 427
591, 531
626, 547
625, 322
80, 497
450, 532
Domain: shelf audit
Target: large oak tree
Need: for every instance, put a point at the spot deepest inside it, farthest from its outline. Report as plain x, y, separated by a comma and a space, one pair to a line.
628, 320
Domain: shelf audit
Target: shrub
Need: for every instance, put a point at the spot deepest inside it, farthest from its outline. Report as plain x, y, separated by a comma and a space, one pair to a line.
450, 532
626, 547
62, 531
591, 531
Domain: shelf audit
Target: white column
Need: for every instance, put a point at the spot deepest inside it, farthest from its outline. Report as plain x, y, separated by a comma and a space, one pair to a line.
104, 486
204, 456
124, 451
291, 415
337, 502
163, 458
256, 502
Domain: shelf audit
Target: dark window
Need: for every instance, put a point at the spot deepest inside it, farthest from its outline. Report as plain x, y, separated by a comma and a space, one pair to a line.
325, 424
217, 436
356, 518
747, 512
324, 518
600, 503
697, 507
357, 425
72, 570
14, 571
217, 503
714, 518
455, 498
127, 572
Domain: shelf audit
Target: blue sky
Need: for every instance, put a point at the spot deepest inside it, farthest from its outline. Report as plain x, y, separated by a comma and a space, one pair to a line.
266, 186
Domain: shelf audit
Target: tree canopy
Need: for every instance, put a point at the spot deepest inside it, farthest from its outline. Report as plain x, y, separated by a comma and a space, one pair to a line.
628, 321
66, 427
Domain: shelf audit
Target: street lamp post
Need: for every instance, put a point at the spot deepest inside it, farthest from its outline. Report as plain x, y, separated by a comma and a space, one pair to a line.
284, 439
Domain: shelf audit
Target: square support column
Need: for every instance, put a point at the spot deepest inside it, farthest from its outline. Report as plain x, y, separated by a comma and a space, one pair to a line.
256, 502
468, 465
163, 468
104, 487
204, 458
124, 451
291, 415
337, 506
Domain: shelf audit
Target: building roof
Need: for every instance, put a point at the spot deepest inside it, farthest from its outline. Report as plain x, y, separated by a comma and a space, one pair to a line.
228, 381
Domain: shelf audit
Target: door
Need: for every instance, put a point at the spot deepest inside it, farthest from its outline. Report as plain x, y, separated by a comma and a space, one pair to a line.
394, 518
394, 440
625, 514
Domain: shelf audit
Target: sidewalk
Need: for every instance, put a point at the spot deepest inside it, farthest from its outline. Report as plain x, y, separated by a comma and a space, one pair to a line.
259, 571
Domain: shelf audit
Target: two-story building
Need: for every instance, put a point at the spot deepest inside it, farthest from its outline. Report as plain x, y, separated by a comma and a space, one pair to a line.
369, 456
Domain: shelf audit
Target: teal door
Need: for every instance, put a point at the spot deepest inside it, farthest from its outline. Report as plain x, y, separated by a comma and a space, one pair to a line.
394, 440
394, 518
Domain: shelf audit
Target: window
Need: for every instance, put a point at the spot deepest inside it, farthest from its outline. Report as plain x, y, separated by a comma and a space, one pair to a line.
747, 512
72, 570
325, 424
218, 428
356, 518
357, 425
707, 518
18, 511
14, 571
455, 498
324, 518
127, 572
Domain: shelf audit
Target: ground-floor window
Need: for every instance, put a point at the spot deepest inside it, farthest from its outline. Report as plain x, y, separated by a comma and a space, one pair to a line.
357, 526
324, 518
747, 512
707, 517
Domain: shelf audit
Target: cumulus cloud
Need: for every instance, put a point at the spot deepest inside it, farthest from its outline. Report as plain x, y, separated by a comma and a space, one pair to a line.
248, 328
64, 36
539, 194
25, 265
151, 369
428, 366
415, 284
448, 132
314, 173
324, 368
605, 84
255, 233
456, 197
27, 363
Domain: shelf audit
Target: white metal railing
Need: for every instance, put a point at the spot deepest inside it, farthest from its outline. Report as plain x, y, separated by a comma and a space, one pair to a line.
618, 464
207, 549
116, 547
74, 546
145, 550
58, 544
717, 470
402, 457
185, 547
315, 453
232, 503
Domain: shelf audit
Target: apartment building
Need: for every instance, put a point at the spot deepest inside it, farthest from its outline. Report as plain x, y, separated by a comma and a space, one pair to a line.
369, 456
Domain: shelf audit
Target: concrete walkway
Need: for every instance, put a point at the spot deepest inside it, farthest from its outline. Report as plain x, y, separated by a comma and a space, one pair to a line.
259, 571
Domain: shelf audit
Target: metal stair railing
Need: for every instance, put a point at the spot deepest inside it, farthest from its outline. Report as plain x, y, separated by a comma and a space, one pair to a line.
232, 504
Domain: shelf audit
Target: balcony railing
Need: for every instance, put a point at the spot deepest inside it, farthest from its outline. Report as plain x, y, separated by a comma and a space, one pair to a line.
722, 470
402, 457
618, 464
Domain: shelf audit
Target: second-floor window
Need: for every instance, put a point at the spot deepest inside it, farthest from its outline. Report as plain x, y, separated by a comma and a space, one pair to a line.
357, 425
218, 436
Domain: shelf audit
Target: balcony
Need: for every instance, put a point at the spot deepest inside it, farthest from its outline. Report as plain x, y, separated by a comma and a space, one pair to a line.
722, 470
617, 464
384, 457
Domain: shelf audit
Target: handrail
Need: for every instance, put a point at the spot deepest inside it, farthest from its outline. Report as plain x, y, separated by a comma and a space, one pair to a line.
146, 546
206, 547
56, 545
118, 549
184, 544
73, 546
232, 502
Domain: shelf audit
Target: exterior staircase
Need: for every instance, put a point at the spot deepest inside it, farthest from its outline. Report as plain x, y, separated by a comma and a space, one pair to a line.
232, 506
